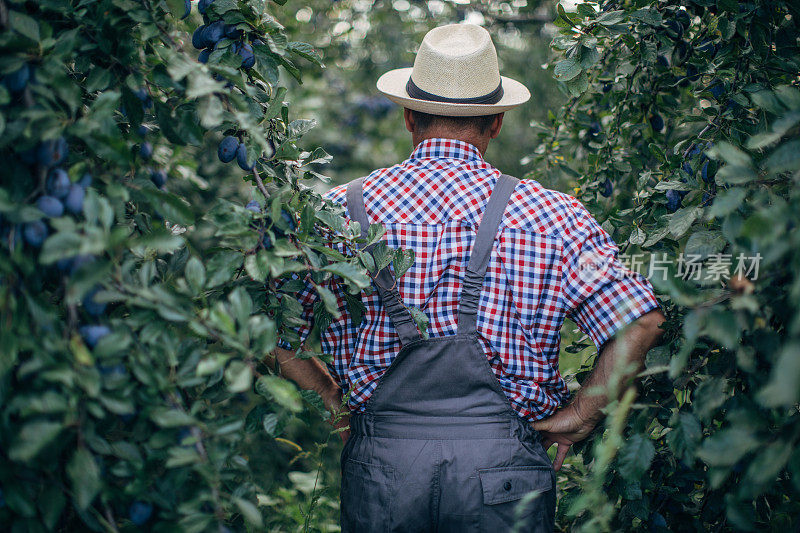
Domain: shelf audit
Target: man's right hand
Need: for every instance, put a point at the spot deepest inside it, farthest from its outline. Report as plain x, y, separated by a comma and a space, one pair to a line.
564, 428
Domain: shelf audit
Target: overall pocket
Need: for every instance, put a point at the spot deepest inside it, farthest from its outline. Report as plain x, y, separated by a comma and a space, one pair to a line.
366, 496
517, 498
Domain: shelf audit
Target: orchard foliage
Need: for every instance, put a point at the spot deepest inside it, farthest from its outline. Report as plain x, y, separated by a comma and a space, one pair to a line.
139, 297
682, 134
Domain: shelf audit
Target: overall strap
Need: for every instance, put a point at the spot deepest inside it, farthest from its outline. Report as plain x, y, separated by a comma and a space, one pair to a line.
481, 252
384, 281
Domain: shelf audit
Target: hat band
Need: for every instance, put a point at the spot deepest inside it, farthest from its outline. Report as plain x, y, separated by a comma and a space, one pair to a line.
491, 98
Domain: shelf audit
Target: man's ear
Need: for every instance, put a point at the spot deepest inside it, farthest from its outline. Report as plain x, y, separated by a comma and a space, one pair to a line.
409, 118
494, 129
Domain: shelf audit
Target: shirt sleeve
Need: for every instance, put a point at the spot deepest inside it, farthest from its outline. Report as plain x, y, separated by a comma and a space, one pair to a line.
602, 294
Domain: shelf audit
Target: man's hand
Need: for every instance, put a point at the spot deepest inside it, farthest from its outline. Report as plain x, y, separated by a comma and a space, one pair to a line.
340, 418
617, 365
563, 428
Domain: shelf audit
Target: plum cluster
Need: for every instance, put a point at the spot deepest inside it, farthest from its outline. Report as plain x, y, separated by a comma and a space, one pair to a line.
213, 35
707, 170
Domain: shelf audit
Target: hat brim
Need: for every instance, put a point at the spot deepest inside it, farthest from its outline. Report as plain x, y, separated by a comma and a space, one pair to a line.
393, 86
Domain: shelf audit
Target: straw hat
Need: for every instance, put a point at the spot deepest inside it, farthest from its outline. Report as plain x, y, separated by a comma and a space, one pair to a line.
455, 74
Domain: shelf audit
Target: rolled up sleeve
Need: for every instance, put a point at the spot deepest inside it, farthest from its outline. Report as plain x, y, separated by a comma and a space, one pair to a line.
602, 295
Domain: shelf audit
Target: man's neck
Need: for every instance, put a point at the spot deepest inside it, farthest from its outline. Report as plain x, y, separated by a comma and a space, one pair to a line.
475, 139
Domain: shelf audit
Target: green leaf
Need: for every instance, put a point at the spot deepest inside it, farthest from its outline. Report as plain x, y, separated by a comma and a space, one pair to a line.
250, 512
350, 273
421, 320
708, 397
681, 220
635, 457
685, 436
281, 391
84, 476
238, 377
171, 418
727, 446
306, 51
567, 69
32, 439
403, 260
24, 24
783, 387
172, 207
730, 154
785, 158
298, 128
195, 274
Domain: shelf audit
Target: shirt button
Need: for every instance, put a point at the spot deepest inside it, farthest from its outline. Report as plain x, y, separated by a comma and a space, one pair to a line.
507, 485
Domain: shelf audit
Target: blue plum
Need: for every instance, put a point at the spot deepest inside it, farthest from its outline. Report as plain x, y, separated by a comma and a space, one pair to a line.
203, 57
86, 181
93, 333
92, 306
159, 178
141, 94
187, 8
35, 233
656, 122
58, 183
143, 130
140, 512
248, 59
673, 200
52, 152
213, 33
227, 149
606, 188
232, 32
17, 80
146, 150
708, 178
50, 206
253, 206
198, 37
241, 158
74, 200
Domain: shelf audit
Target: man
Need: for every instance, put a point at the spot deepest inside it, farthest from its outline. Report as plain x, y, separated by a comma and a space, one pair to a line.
450, 433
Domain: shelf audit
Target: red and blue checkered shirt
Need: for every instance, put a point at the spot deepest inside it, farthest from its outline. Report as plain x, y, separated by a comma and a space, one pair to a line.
432, 203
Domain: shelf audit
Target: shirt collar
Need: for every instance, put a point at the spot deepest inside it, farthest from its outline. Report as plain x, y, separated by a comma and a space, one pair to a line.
437, 148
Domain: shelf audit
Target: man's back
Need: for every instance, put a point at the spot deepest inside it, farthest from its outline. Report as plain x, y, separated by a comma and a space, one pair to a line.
433, 203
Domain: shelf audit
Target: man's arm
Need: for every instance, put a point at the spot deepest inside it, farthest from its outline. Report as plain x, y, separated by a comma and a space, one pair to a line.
623, 356
310, 374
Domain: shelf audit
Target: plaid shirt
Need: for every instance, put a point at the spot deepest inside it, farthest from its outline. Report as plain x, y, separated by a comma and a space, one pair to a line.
537, 275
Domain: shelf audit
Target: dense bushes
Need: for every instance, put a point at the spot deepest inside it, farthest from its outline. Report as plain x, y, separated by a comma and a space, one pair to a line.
137, 293
682, 134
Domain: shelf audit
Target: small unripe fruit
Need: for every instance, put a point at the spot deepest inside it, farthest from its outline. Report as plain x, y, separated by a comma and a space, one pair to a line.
227, 149
50, 206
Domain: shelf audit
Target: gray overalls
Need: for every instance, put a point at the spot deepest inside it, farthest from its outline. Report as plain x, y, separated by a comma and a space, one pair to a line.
438, 446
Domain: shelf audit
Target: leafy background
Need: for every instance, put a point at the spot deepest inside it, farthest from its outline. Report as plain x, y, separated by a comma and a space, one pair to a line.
676, 123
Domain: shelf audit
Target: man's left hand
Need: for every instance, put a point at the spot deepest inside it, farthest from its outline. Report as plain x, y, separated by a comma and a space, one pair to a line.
563, 428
